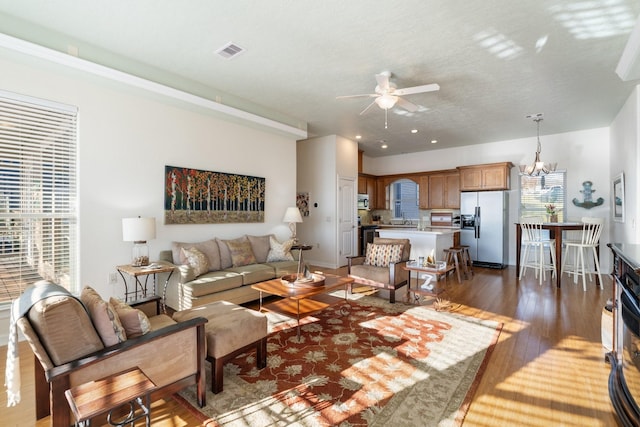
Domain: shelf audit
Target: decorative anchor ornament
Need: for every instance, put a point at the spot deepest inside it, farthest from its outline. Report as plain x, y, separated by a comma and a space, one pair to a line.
588, 202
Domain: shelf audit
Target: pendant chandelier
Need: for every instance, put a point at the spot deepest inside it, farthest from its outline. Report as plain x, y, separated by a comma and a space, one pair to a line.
538, 167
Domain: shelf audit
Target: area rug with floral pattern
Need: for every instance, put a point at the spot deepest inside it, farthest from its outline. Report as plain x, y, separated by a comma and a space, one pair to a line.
365, 362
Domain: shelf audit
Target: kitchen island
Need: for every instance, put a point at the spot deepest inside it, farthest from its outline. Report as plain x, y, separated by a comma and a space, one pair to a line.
424, 242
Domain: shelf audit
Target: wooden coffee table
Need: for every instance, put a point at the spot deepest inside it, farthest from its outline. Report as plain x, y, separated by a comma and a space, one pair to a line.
299, 301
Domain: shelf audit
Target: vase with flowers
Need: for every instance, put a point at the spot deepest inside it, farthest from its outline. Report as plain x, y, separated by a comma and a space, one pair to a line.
553, 214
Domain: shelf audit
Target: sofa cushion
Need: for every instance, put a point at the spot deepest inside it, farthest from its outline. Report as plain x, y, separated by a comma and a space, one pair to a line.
279, 251
104, 317
260, 246
196, 260
215, 281
134, 321
208, 247
64, 328
225, 254
241, 253
382, 255
254, 273
283, 267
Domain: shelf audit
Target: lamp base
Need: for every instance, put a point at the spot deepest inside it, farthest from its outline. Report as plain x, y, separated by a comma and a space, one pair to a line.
140, 254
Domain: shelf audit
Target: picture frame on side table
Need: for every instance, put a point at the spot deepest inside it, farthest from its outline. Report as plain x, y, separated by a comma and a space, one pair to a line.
618, 198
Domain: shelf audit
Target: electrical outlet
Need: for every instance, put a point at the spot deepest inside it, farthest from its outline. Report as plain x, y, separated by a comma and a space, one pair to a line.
113, 278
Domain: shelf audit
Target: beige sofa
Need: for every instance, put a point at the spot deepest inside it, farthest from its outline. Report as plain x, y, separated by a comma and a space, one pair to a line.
232, 266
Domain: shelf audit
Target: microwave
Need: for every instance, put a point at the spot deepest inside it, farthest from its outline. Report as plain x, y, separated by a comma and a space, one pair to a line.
363, 201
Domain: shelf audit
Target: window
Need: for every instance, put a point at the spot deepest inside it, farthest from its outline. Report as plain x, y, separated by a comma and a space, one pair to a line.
38, 218
404, 198
537, 192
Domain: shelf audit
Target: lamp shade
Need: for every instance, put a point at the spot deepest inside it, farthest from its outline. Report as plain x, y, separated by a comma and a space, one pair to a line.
138, 229
386, 101
292, 215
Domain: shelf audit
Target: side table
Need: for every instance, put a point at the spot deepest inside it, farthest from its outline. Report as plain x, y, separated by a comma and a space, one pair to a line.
417, 291
94, 398
137, 272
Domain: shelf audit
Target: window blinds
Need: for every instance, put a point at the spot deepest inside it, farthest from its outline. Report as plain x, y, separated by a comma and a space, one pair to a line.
536, 192
38, 212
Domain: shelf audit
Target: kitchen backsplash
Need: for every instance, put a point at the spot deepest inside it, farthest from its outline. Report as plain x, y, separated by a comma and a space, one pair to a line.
384, 216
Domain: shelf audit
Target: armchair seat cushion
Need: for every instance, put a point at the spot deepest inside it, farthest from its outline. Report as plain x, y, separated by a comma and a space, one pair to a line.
370, 273
160, 321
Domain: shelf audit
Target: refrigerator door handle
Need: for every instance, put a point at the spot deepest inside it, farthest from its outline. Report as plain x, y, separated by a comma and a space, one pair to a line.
477, 222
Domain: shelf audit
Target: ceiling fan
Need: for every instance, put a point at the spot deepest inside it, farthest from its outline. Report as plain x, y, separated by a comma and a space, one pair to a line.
387, 95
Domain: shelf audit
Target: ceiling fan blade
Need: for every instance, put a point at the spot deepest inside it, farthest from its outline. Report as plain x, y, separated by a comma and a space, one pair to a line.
368, 107
409, 106
417, 89
369, 95
383, 81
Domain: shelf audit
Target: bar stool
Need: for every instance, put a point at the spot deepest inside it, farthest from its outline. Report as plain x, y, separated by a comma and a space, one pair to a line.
454, 256
466, 261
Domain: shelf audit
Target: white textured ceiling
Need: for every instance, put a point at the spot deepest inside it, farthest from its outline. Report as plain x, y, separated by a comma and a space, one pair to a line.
495, 61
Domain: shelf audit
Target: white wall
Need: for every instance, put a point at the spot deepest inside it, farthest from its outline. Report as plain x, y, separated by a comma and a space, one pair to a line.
625, 158
583, 154
125, 141
320, 161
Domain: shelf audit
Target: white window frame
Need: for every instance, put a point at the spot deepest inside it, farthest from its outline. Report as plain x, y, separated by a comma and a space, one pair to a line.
38, 194
533, 200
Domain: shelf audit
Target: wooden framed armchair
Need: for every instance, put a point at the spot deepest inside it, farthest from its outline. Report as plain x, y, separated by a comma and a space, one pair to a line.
69, 352
381, 267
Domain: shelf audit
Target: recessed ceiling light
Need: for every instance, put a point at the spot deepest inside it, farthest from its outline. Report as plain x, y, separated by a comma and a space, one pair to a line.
434, 141
383, 146
358, 136
414, 130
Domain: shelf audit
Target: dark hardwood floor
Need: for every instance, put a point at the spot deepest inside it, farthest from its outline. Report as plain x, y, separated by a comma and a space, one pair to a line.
547, 369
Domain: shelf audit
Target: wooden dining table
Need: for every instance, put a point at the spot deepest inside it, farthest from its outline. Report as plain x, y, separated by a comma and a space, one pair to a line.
555, 232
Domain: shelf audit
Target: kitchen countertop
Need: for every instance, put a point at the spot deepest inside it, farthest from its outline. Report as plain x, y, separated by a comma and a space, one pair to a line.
426, 230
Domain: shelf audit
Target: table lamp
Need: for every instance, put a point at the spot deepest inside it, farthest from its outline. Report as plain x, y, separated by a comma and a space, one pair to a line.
292, 216
139, 230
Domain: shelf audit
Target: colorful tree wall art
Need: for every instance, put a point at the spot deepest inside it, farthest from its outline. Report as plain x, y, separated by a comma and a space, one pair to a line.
195, 196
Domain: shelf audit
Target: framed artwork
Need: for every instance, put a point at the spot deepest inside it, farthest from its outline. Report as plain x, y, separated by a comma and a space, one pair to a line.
302, 202
193, 196
618, 198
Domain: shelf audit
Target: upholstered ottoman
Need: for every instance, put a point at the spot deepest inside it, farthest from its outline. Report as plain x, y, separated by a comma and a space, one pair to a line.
231, 330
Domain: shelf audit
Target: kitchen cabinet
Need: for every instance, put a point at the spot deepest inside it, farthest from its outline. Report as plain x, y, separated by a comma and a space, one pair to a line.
494, 176
444, 191
362, 185
423, 192
380, 200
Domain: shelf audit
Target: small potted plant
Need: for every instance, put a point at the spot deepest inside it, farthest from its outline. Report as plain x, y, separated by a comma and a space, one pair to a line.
553, 214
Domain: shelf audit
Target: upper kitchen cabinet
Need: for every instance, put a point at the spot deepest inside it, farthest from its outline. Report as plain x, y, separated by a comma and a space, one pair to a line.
423, 192
444, 191
362, 185
493, 176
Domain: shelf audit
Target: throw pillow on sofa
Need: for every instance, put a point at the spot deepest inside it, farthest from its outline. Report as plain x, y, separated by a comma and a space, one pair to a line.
225, 254
279, 251
241, 253
196, 260
104, 317
260, 246
208, 247
134, 321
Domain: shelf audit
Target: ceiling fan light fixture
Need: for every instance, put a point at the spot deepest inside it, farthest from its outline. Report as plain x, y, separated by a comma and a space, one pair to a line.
386, 101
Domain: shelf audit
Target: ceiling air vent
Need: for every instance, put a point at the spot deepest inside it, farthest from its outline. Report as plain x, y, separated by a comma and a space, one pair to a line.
230, 50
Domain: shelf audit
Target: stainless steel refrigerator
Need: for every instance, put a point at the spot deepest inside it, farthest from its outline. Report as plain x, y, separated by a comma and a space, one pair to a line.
484, 227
